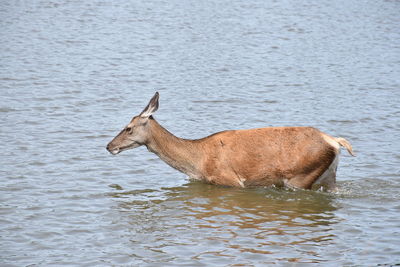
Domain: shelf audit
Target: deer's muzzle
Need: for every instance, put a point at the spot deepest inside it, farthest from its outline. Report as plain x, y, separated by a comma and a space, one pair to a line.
112, 150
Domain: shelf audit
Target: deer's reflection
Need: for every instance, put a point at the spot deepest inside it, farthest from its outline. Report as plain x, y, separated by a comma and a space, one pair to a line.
252, 220
244, 208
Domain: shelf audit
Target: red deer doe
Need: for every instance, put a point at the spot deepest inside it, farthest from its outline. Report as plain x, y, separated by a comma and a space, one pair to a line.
296, 157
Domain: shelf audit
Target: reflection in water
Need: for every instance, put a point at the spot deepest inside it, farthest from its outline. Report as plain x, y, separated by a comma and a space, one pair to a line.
251, 223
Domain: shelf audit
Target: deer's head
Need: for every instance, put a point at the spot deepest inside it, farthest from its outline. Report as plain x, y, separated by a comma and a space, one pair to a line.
135, 133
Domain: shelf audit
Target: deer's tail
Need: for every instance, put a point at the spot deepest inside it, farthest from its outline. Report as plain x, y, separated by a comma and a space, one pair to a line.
343, 142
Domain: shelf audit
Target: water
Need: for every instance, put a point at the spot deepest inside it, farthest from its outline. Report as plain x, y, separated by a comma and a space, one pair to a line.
73, 73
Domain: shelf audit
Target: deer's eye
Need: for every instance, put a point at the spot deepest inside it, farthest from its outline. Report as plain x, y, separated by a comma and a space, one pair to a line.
128, 129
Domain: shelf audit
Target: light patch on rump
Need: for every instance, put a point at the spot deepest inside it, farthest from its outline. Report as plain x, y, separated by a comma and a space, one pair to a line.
330, 140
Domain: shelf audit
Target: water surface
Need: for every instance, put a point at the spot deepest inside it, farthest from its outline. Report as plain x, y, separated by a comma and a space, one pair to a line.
73, 73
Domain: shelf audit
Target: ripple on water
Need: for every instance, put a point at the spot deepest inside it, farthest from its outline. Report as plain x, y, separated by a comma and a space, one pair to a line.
233, 217
74, 72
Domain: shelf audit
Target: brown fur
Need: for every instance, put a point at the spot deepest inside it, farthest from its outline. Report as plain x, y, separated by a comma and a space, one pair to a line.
290, 156
293, 156
266, 156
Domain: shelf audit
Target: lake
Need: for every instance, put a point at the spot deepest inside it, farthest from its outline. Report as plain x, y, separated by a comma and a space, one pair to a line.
73, 74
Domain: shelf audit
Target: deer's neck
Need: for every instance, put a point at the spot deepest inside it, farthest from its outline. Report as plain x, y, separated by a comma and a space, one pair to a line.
181, 154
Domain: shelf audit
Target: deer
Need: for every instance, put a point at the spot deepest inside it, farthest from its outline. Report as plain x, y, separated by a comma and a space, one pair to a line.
290, 157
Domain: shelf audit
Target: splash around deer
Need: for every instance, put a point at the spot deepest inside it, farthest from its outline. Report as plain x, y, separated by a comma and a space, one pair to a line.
296, 157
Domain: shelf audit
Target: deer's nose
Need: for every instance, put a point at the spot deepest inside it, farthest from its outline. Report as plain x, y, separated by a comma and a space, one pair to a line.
112, 150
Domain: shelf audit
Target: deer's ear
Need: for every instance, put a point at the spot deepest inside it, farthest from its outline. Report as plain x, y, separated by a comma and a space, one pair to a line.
151, 107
